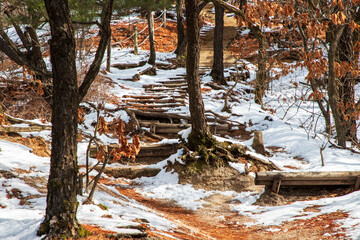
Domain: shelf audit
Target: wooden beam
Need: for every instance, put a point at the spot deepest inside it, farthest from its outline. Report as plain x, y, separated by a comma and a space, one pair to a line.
308, 178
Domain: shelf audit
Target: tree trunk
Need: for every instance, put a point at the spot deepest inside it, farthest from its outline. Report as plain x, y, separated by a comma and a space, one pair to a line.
150, 18
345, 54
60, 220
35, 57
180, 25
11, 50
261, 69
200, 134
333, 84
217, 71
108, 56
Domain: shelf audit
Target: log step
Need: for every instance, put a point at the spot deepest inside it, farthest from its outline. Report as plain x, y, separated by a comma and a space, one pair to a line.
145, 96
131, 172
149, 100
165, 86
170, 129
35, 128
173, 81
172, 90
149, 153
278, 179
169, 105
149, 110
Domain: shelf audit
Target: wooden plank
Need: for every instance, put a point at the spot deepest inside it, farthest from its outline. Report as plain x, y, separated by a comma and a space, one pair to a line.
149, 100
145, 96
170, 105
309, 178
306, 175
173, 81
310, 183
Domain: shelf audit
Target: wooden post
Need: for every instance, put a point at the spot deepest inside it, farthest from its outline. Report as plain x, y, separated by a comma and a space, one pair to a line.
164, 18
276, 184
258, 143
152, 25
136, 52
357, 183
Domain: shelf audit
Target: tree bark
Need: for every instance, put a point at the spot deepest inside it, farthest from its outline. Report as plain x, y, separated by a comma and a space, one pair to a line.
60, 219
333, 83
105, 32
345, 54
150, 18
180, 25
35, 57
200, 134
217, 71
261, 75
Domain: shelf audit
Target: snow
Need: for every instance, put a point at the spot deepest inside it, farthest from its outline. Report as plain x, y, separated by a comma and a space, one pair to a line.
297, 129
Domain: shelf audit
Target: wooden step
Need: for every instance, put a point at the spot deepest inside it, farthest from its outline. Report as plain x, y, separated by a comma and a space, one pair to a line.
168, 128
169, 105
130, 172
148, 100
145, 96
278, 179
149, 153
165, 86
150, 110
173, 90
173, 82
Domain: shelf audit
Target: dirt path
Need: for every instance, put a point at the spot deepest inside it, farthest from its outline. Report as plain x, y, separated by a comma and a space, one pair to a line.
207, 44
216, 220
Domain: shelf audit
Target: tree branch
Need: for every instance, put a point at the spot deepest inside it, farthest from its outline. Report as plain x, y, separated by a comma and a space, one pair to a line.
105, 32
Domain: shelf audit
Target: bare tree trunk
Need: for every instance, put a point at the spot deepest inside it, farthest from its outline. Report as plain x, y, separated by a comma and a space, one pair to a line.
150, 18
200, 134
217, 71
60, 219
345, 54
333, 84
35, 57
180, 25
108, 56
261, 75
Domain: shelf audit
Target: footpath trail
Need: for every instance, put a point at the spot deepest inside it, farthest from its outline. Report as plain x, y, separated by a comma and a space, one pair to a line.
207, 43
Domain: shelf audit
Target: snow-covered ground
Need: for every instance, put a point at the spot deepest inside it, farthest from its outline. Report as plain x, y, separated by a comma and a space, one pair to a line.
296, 127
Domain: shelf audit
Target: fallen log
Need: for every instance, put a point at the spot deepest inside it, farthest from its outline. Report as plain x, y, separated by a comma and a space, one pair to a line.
128, 65
278, 179
130, 172
149, 153
34, 128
